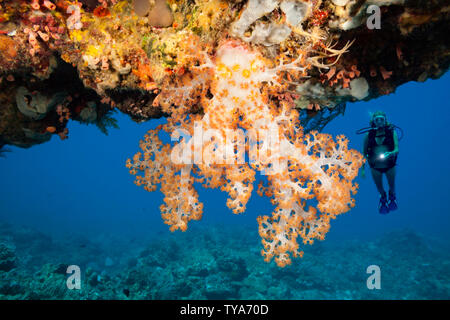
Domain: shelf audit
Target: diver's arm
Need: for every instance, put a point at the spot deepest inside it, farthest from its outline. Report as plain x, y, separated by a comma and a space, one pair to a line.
365, 151
366, 145
395, 151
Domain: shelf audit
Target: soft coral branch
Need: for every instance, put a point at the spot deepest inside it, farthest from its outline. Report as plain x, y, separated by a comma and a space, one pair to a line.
298, 167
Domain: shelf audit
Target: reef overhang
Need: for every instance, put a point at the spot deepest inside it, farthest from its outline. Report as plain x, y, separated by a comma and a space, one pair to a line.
81, 60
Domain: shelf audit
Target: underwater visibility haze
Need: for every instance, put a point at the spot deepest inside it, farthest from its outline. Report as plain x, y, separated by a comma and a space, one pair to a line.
210, 150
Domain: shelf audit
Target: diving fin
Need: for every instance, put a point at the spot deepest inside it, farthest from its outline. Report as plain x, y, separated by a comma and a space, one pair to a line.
382, 206
392, 202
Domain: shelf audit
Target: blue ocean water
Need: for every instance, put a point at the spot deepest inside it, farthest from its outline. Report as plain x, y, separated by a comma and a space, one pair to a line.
73, 202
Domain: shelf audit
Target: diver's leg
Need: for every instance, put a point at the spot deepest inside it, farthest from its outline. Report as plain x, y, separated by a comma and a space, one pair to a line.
378, 179
390, 174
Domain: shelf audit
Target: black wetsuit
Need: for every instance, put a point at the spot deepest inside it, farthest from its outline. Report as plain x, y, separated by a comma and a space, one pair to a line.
374, 150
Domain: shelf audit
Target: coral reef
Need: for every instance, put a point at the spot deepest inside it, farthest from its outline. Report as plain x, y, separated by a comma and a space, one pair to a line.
222, 262
242, 72
124, 54
7, 257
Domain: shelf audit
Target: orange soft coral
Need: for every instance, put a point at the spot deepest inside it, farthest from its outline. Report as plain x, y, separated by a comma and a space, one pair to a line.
239, 119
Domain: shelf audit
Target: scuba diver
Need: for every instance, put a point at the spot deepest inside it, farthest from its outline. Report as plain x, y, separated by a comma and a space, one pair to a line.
381, 150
